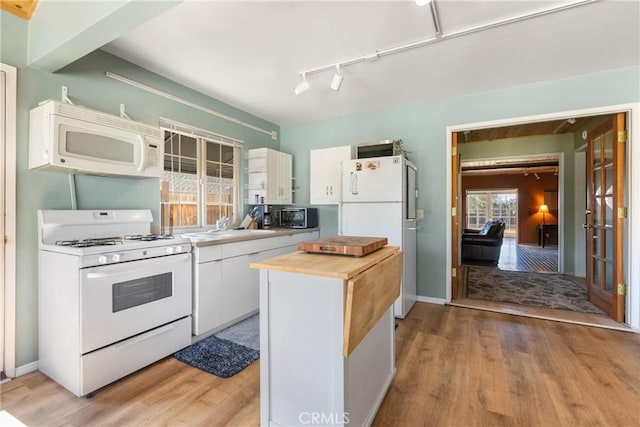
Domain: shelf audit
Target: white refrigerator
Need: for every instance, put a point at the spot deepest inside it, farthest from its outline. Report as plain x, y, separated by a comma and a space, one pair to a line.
379, 200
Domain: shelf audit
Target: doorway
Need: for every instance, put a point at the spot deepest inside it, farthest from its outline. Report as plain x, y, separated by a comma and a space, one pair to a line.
455, 134
523, 193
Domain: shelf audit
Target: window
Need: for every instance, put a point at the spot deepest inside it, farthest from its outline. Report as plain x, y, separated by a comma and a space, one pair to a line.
200, 182
486, 205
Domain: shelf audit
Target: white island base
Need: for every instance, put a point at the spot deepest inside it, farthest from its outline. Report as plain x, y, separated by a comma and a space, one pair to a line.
305, 378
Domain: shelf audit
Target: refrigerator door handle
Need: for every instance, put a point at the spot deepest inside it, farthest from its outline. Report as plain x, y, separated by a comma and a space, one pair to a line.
354, 183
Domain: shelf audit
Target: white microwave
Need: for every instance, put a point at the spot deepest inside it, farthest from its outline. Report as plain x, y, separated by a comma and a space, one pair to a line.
69, 138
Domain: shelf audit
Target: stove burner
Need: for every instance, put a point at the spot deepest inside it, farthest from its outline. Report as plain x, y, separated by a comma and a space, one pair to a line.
148, 237
86, 243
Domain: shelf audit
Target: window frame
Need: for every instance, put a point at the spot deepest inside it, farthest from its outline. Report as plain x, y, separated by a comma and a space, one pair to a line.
511, 226
202, 138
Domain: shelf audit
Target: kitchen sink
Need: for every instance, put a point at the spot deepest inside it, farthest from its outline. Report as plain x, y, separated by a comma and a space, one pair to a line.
223, 234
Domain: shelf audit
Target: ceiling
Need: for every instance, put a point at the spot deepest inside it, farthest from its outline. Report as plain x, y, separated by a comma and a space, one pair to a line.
250, 54
530, 165
551, 127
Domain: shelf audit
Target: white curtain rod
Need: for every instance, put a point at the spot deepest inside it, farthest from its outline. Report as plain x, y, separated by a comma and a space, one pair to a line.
272, 134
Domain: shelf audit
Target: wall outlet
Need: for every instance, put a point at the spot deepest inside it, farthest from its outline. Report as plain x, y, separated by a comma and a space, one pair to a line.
419, 214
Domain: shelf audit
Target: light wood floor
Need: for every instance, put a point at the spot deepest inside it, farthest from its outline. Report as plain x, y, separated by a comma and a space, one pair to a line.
455, 367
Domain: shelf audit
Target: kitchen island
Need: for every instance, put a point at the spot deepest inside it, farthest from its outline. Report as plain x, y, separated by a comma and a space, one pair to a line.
326, 336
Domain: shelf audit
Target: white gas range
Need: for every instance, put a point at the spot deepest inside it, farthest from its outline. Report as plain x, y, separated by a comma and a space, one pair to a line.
113, 298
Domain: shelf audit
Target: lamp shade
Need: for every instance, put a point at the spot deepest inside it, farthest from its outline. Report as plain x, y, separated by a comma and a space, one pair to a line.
543, 209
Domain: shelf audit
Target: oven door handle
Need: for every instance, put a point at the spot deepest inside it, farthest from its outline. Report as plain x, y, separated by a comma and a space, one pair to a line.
109, 270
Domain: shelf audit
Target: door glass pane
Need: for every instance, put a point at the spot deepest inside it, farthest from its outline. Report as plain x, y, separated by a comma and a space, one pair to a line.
596, 242
608, 243
608, 149
596, 274
597, 161
608, 277
597, 210
608, 210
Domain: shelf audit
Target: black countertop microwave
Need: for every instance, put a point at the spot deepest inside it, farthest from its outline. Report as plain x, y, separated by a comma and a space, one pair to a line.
299, 217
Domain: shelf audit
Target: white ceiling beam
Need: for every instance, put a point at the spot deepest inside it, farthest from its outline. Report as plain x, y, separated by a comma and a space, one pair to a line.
62, 32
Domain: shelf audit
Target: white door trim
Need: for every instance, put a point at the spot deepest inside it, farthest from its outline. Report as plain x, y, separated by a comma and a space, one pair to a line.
9, 217
632, 270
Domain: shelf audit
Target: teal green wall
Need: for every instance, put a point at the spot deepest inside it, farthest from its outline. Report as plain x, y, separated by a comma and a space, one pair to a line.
537, 145
423, 128
88, 86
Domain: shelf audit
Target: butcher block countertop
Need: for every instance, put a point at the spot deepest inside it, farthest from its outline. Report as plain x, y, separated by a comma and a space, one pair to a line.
327, 265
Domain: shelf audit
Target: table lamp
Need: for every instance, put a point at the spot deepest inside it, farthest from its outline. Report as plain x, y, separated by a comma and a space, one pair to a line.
543, 209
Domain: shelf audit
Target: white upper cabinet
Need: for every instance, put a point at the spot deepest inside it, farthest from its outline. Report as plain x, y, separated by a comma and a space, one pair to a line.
270, 177
325, 171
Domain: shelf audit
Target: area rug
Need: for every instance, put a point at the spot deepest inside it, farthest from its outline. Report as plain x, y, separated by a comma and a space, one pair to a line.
536, 289
227, 352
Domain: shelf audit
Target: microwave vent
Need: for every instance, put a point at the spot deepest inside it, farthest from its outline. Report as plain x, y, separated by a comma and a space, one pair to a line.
92, 116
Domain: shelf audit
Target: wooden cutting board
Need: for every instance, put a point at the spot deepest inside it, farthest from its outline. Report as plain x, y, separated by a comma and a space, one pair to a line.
344, 245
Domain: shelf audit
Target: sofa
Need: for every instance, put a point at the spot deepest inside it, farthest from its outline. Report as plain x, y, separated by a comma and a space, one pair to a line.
483, 245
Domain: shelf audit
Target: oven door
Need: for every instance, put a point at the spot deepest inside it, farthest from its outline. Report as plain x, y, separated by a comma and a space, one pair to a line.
119, 301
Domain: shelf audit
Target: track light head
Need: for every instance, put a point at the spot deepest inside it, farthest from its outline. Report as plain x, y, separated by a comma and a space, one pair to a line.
302, 86
336, 82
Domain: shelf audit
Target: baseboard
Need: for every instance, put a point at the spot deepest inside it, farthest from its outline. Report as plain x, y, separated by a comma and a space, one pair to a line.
25, 369
430, 300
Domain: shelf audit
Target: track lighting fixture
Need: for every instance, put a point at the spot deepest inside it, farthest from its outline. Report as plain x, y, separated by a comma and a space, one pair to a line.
429, 40
302, 86
336, 82
526, 172
536, 175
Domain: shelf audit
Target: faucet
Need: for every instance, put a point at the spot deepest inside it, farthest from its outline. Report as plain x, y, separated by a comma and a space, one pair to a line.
222, 223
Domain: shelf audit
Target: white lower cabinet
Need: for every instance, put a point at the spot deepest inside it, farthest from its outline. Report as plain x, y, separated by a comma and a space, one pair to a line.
225, 289
239, 291
207, 294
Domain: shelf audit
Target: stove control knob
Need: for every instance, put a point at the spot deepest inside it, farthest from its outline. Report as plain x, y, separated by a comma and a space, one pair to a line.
178, 248
169, 250
116, 257
102, 259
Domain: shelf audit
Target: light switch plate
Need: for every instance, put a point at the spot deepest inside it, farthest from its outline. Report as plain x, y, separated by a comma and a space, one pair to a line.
419, 214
